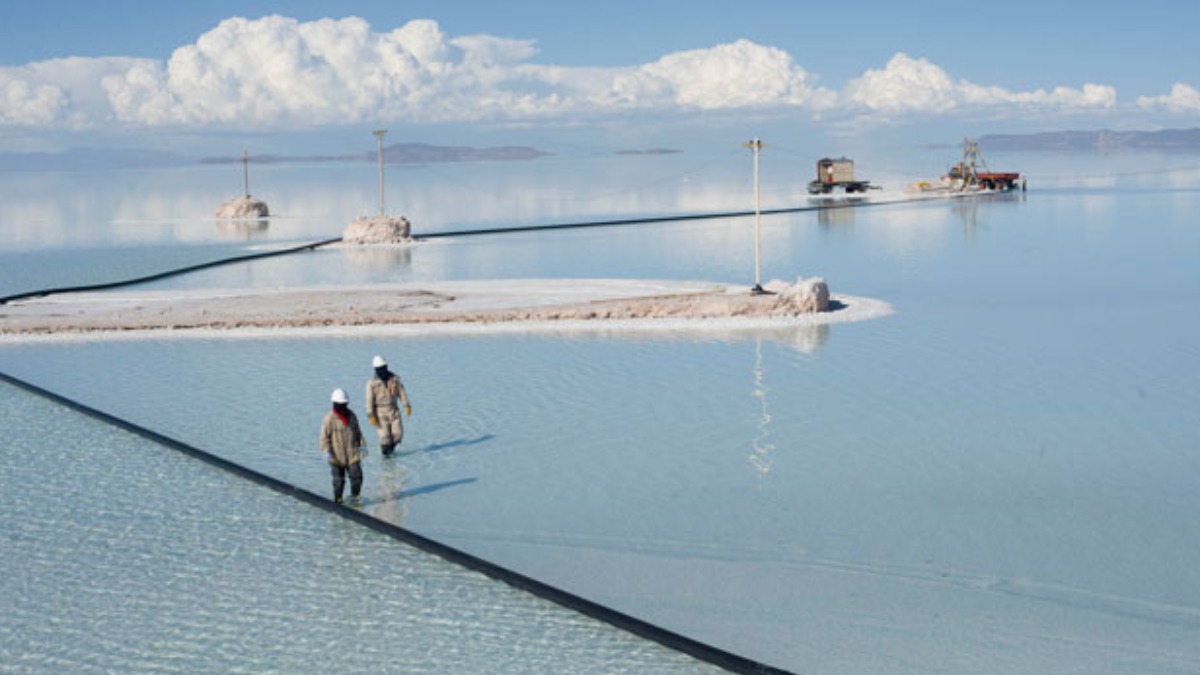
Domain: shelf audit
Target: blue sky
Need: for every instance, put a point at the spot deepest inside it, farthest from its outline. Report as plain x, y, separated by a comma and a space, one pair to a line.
615, 72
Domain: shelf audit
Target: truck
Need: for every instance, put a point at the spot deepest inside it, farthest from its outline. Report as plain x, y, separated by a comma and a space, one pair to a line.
966, 176
833, 174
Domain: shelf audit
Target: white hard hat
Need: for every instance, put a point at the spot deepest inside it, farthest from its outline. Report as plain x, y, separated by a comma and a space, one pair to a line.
378, 362
339, 396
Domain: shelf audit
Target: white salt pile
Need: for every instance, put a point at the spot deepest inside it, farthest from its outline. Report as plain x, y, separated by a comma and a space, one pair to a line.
377, 230
243, 207
806, 295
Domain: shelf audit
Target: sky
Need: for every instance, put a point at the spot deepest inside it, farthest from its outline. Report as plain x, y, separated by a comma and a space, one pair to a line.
186, 75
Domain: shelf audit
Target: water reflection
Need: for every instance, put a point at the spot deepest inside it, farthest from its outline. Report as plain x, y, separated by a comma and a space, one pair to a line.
804, 338
926, 225
243, 228
761, 448
382, 258
835, 216
968, 209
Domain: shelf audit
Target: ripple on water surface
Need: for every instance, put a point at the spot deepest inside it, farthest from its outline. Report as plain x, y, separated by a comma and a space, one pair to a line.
122, 555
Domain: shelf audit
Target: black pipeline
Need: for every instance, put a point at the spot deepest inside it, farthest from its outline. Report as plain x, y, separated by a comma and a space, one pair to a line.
433, 235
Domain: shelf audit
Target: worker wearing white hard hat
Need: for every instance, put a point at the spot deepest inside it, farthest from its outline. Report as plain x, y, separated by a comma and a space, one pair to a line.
343, 445
385, 395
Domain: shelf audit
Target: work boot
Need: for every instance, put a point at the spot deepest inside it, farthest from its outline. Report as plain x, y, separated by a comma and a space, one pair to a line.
337, 499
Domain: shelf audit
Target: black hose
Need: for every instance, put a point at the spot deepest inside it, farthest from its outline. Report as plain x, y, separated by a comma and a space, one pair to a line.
441, 235
654, 219
162, 275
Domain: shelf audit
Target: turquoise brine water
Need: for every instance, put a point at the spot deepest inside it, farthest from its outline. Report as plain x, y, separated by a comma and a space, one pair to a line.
1000, 477
120, 556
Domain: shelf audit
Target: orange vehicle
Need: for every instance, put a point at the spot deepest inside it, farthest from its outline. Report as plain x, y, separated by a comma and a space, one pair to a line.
965, 176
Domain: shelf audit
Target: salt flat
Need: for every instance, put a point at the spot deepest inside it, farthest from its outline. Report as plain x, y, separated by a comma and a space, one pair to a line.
528, 303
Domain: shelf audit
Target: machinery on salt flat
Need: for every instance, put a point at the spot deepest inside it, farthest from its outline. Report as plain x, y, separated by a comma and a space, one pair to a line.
965, 177
835, 174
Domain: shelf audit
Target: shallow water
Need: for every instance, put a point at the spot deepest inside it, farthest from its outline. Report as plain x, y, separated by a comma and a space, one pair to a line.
120, 555
1000, 477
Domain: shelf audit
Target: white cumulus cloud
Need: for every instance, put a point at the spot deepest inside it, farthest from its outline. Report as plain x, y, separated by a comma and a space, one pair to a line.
24, 102
61, 93
1183, 99
282, 73
738, 75
730, 76
908, 85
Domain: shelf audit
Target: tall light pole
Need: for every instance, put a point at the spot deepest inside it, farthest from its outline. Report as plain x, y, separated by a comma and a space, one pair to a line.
379, 134
755, 145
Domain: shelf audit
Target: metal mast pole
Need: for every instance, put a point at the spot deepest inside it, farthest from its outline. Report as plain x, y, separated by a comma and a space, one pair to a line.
379, 134
246, 173
755, 145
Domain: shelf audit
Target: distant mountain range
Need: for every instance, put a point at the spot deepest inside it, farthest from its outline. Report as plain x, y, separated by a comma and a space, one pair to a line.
402, 153
94, 159
1104, 140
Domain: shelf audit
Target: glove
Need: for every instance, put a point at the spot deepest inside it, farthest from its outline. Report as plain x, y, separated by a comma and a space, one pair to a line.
329, 458
373, 420
362, 452
408, 410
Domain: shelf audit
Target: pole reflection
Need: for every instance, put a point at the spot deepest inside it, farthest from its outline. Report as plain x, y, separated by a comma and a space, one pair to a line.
762, 448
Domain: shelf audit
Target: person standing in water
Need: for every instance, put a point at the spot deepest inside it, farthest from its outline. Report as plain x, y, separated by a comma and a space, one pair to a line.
385, 394
344, 447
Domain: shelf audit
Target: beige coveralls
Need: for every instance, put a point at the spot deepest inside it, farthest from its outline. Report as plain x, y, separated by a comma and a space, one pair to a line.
342, 443
383, 406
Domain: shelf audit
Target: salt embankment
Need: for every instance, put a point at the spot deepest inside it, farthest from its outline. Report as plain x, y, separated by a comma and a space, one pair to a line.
521, 304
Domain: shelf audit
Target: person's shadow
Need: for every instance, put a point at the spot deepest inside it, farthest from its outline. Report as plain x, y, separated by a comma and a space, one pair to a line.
398, 493
448, 445
413, 492
459, 443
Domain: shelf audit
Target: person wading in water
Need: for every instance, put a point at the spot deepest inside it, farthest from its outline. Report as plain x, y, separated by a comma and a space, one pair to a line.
385, 395
344, 447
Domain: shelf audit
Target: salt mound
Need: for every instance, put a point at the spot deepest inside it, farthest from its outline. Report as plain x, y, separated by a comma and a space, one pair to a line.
377, 230
243, 207
802, 297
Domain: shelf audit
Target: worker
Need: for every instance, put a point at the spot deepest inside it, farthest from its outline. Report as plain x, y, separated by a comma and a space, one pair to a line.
385, 394
344, 447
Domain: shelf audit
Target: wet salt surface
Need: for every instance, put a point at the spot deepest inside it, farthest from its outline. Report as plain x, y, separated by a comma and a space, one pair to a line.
998, 478
548, 305
122, 556
735, 493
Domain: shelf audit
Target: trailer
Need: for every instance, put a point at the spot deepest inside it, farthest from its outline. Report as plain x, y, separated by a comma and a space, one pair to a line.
837, 174
1002, 182
966, 176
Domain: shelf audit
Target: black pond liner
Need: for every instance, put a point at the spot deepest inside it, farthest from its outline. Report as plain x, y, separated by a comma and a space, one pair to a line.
675, 641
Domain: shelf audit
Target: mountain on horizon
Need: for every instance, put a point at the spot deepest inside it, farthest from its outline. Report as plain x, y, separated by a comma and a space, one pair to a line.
1103, 140
97, 159
403, 153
